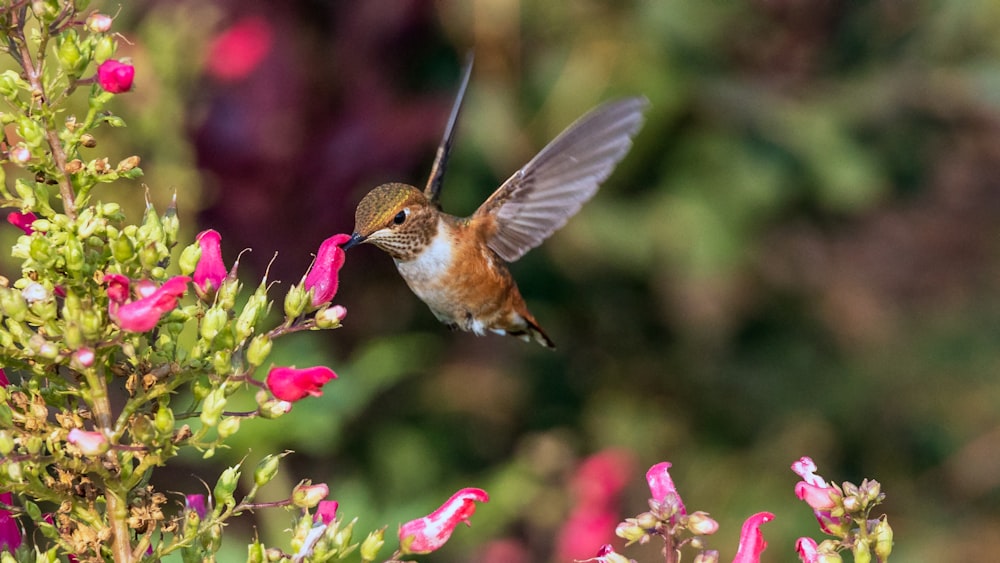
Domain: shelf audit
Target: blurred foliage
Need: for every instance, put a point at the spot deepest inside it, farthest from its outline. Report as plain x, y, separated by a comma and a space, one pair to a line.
799, 256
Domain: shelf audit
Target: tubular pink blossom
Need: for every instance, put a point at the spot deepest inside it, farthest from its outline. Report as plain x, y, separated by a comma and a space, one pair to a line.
429, 533
291, 384
118, 286
806, 548
326, 511
10, 532
322, 276
805, 467
22, 221
237, 51
819, 498
196, 503
4, 381
143, 314
115, 76
210, 271
661, 485
752, 542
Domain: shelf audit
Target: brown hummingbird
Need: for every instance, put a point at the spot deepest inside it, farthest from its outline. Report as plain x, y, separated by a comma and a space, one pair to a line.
458, 266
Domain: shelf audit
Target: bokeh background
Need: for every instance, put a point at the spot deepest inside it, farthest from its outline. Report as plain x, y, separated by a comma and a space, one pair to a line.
800, 255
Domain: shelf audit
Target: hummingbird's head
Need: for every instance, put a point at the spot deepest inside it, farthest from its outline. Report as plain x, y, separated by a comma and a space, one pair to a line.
396, 218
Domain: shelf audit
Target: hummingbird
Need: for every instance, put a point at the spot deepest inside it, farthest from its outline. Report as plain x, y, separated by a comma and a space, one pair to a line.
458, 265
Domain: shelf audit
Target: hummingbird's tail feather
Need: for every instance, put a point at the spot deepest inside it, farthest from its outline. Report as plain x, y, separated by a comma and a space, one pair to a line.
535, 332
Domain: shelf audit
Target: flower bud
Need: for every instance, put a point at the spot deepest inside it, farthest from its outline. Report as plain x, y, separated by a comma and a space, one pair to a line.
31, 131
98, 23
700, 523
6, 443
266, 469
226, 485
630, 530
295, 301
228, 426
164, 421
707, 556
215, 320
258, 349
372, 544
330, 317
307, 495
883, 539
90, 443
861, 551
212, 408
122, 249
189, 258
115, 77
68, 52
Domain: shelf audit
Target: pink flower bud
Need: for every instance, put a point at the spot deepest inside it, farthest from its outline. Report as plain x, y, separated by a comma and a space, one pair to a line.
115, 76
10, 532
22, 221
752, 542
98, 23
19, 154
210, 271
307, 495
819, 498
291, 384
661, 485
322, 276
429, 533
806, 548
701, 524
90, 443
143, 314
118, 286
326, 511
83, 357
196, 504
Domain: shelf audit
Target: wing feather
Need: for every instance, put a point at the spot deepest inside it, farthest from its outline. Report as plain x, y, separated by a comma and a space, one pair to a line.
539, 198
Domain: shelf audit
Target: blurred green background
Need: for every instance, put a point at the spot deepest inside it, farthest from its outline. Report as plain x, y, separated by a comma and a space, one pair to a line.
800, 255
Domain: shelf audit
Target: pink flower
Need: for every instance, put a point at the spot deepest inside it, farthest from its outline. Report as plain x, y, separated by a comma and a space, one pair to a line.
805, 467
210, 271
83, 357
115, 76
142, 314
662, 486
429, 533
90, 443
806, 548
196, 504
4, 381
326, 511
237, 51
752, 542
10, 532
597, 483
322, 276
291, 384
584, 532
22, 221
820, 496
117, 288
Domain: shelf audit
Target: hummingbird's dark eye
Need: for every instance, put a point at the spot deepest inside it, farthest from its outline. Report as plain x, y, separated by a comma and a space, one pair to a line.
400, 217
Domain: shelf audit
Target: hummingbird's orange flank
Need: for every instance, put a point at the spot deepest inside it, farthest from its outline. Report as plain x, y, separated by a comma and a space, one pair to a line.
458, 266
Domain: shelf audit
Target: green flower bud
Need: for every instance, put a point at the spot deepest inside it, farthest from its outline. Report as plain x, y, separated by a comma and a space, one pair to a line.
11, 84
188, 260
259, 349
164, 421
33, 444
222, 361
91, 324
225, 297
883, 539
372, 544
255, 552
143, 430
228, 426
861, 551
122, 249
32, 510
68, 51
307, 495
14, 471
212, 408
40, 250
105, 48
295, 301
31, 131
149, 256
6, 442
13, 304
200, 389
215, 320
73, 252
266, 469
225, 487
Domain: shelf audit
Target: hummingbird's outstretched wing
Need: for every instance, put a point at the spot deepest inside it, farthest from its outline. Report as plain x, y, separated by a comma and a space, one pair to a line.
540, 197
433, 189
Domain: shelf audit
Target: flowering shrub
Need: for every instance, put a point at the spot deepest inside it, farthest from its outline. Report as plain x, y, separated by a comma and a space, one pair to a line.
103, 305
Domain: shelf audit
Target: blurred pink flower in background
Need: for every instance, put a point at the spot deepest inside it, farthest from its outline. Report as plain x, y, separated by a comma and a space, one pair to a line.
239, 49
596, 486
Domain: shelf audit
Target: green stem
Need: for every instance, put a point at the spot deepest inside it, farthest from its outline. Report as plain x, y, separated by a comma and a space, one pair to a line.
117, 512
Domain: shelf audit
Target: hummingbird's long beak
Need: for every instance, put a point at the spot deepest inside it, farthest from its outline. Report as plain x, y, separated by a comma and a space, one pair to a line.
355, 239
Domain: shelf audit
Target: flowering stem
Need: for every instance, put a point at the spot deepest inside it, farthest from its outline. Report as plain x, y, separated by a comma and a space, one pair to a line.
38, 90
117, 511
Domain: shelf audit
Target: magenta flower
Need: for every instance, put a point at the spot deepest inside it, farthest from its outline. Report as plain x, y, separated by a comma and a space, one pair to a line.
291, 384
3, 379
196, 503
429, 533
142, 314
210, 271
237, 51
115, 76
752, 542
662, 486
326, 511
118, 286
322, 276
90, 443
819, 495
807, 550
10, 532
22, 221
